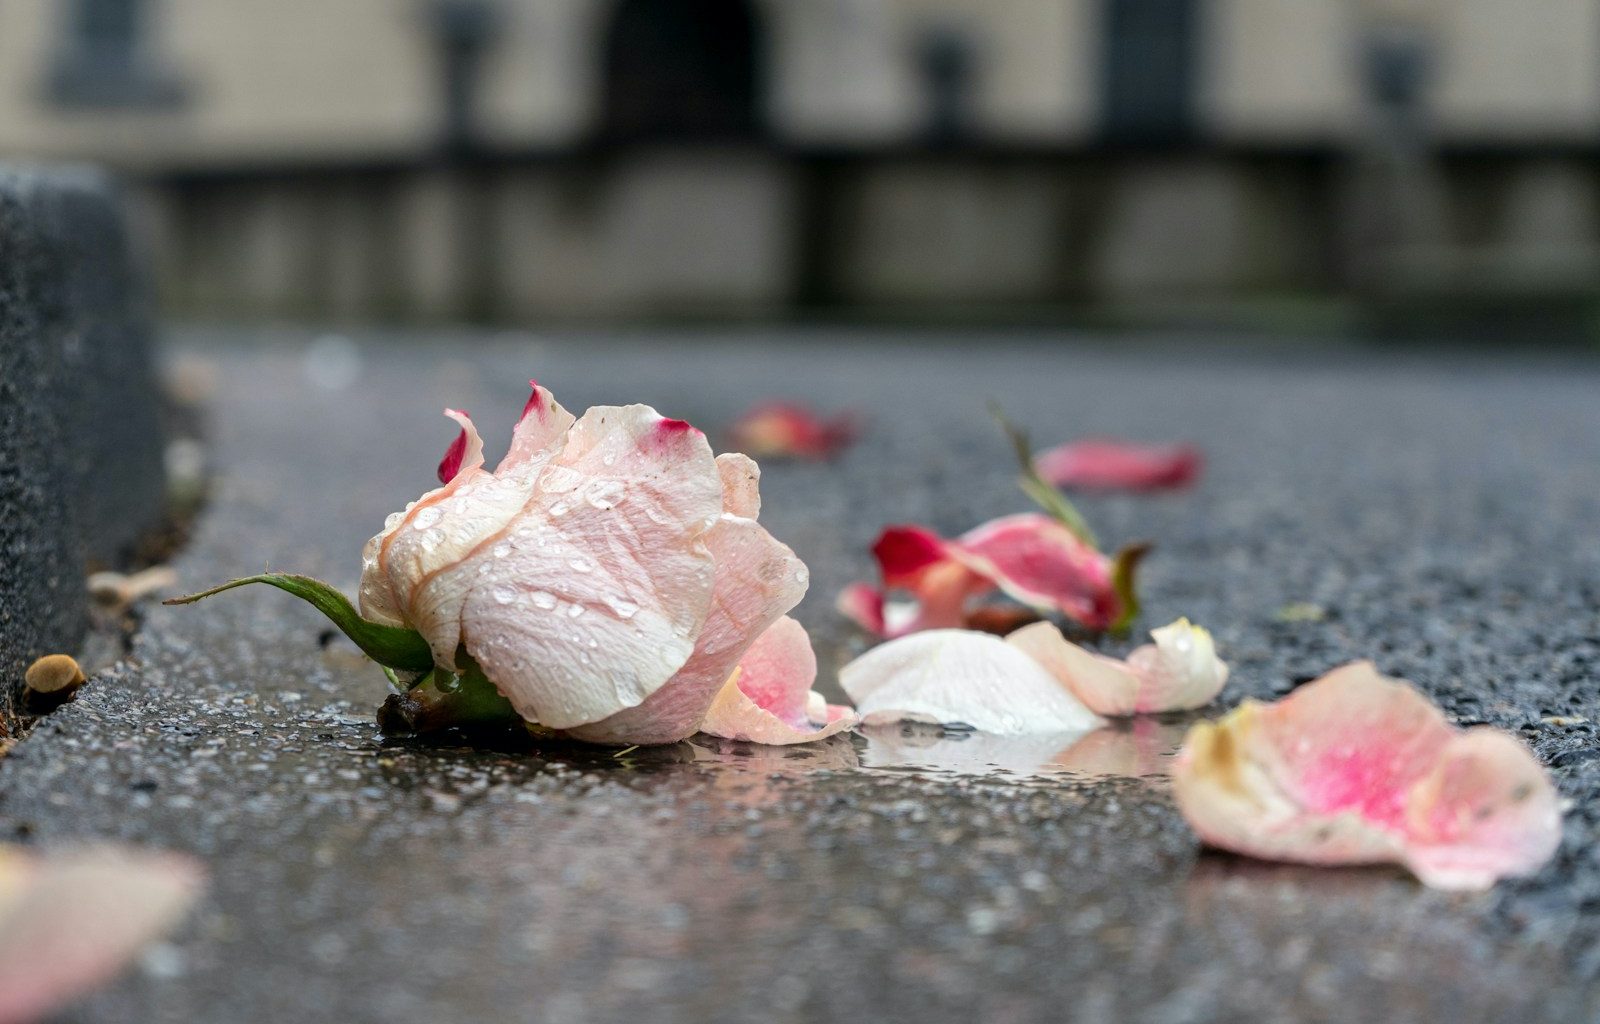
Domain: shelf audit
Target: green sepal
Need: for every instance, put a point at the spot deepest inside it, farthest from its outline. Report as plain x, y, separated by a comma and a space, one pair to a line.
446, 700
392, 646
1043, 493
1123, 567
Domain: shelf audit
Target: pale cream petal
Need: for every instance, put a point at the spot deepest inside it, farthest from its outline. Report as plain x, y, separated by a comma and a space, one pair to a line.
741, 485
1103, 685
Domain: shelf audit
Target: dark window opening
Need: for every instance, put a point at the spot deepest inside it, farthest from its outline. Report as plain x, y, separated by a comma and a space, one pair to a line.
683, 70
106, 60
1150, 70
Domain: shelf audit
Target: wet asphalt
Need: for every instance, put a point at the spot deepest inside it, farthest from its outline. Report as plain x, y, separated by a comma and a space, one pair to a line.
1436, 511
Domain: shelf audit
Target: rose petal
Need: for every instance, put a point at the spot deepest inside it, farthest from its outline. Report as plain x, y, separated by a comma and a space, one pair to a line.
1180, 671
1486, 810
1118, 465
958, 676
593, 600
71, 920
862, 603
476, 519
1104, 685
770, 700
1036, 560
1355, 768
790, 430
741, 485
757, 580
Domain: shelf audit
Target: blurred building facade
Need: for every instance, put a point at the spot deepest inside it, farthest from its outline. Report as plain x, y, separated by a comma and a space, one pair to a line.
526, 158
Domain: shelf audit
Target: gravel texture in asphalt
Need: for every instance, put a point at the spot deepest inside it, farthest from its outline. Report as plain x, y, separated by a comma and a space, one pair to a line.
1439, 510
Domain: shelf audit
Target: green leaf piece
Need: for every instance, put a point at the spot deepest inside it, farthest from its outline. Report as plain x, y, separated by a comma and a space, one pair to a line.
1043, 493
392, 646
1123, 568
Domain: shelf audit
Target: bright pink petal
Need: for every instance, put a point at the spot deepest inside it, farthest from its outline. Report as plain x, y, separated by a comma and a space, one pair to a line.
1355, 768
788, 430
758, 579
906, 553
71, 921
770, 700
1039, 562
465, 451
1117, 465
1179, 672
594, 598
955, 676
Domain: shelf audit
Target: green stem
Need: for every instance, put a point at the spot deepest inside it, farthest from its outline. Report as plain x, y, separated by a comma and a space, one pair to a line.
392, 646
1122, 572
1037, 487
444, 700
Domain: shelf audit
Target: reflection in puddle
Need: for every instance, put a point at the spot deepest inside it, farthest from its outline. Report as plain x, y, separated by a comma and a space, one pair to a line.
1140, 748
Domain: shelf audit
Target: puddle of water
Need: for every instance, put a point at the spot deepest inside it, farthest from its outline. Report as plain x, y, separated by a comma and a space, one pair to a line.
1139, 748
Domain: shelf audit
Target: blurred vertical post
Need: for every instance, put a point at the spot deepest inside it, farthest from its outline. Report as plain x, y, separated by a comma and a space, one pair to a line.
1391, 212
463, 32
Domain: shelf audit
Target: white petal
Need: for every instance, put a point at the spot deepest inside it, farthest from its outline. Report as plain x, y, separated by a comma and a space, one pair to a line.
959, 676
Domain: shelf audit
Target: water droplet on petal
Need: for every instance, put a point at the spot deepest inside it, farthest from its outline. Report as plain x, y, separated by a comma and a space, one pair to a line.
581, 565
502, 549
503, 594
624, 608
427, 517
544, 600
574, 611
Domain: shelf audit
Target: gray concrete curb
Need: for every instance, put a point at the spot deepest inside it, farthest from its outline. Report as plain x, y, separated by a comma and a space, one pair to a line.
81, 474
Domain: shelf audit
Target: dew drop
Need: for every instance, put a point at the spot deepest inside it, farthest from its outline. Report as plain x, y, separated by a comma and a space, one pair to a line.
559, 509
574, 611
427, 517
581, 565
559, 480
802, 577
624, 608
503, 594
502, 549
543, 599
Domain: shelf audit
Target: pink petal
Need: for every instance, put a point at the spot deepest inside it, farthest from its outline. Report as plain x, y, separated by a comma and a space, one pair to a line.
1039, 562
593, 599
758, 579
862, 603
955, 676
466, 450
1118, 465
70, 921
788, 430
770, 700
1179, 672
1486, 810
1355, 768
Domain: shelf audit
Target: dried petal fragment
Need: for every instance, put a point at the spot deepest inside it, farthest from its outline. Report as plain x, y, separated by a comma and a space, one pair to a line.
770, 700
1119, 465
953, 676
1355, 768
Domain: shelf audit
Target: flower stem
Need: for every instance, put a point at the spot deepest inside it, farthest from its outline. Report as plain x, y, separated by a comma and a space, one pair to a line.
393, 646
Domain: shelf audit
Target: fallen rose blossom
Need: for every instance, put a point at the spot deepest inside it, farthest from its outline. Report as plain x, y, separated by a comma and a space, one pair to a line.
1355, 768
1179, 672
955, 676
603, 581
71, 920
1030, 557
1118, 465
769, 699
788, 430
